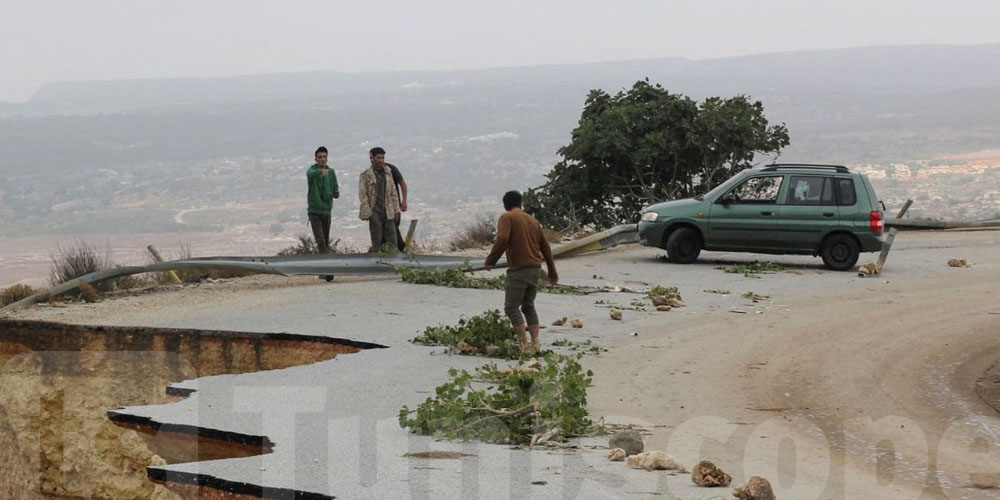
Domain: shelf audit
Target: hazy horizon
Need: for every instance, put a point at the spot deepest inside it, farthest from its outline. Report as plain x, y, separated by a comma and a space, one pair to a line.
107, 40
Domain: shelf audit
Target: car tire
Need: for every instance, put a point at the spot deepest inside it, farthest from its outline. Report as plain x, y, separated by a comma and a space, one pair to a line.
840, 252
684, 245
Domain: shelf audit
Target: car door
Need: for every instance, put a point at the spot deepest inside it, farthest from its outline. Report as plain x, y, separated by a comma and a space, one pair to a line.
808, 211
746, 216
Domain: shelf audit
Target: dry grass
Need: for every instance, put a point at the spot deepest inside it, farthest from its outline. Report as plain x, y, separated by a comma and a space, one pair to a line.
478, 233
15, 293
79, 259
82, 258
88, 292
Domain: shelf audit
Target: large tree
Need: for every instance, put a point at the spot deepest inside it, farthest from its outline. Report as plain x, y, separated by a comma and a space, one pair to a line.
646, 145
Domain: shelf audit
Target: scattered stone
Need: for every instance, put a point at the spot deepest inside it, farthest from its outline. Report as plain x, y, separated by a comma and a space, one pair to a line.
577, 323
616, 314
868, 269
465, 347
659, 300
56, 303
756, 488
958, 263
539, 483
437, 454
560, 322
675, 302
653, 460
986, 481
541, 326
616, 455
630, 441
492, 350
663, 308
708, 475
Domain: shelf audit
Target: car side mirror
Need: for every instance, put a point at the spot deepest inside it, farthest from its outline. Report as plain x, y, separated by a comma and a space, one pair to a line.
726, 199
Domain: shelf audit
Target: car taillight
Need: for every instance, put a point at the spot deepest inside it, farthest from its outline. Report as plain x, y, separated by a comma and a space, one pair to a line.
875, 222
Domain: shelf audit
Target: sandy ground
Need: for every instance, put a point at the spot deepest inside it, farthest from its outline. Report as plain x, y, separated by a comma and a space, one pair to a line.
834, 387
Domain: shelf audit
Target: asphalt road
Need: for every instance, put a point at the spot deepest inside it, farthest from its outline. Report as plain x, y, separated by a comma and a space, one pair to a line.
834, 386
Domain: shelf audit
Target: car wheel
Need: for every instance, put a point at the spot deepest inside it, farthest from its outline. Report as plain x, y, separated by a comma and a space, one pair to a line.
684, 245
840, 252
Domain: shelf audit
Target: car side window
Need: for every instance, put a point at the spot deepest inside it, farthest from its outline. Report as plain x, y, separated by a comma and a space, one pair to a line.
757, 191
810, 190
845, 192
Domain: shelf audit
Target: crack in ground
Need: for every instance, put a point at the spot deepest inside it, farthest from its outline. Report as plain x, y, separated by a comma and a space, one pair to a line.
58, 438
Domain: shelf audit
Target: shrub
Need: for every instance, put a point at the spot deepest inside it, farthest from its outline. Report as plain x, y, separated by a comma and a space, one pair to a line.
478, 233
77, 260
15, 293
88, 292
306, 246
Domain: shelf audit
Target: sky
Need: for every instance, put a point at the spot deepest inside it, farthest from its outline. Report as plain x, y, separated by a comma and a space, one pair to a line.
43, 41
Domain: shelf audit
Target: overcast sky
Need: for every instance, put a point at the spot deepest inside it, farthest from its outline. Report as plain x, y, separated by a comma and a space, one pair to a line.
46, 40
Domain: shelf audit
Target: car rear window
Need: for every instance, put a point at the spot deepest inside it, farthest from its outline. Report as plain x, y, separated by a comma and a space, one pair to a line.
810, 190
845, 192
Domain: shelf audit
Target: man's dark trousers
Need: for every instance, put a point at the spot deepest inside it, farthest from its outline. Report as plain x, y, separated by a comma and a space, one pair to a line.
321, 231
400, 242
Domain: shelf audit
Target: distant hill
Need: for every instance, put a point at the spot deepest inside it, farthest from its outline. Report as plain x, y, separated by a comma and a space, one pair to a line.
465, 131
914, 68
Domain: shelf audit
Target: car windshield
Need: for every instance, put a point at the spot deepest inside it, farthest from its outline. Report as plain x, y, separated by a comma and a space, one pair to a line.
721, 188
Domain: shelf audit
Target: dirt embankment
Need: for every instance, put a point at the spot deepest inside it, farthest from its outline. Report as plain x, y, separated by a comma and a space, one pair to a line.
57, 383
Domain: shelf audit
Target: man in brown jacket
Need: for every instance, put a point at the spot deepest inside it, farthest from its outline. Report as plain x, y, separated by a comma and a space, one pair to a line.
379, 202
520, 236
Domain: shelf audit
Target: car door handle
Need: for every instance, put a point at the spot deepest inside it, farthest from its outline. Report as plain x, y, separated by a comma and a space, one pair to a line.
767, 213
828, 214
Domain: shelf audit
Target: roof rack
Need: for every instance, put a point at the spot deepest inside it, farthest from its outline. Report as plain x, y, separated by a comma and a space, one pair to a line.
777, 166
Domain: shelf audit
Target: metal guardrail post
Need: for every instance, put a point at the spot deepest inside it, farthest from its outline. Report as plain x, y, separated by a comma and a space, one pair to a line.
892, 236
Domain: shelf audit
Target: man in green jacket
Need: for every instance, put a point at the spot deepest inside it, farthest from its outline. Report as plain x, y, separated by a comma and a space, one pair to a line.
323, 189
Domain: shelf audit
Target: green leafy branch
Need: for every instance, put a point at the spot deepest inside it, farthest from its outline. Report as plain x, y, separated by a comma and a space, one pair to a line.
525, 406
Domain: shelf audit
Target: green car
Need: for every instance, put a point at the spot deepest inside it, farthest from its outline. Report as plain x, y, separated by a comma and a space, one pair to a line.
824, 210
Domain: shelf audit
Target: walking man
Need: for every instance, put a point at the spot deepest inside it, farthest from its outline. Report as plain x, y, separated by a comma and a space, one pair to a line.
379, 202
520, 236
323, 189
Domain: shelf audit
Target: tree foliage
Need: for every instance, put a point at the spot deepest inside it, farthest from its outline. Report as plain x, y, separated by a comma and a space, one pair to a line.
646, 145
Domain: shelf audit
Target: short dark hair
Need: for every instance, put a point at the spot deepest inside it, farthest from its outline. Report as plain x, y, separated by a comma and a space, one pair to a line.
511, 199
376, 151
321, 149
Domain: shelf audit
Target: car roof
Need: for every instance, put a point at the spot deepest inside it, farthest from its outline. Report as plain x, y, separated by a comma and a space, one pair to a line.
806, 167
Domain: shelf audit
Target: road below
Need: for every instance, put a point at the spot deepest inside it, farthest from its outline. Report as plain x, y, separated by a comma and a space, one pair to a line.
833, 386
